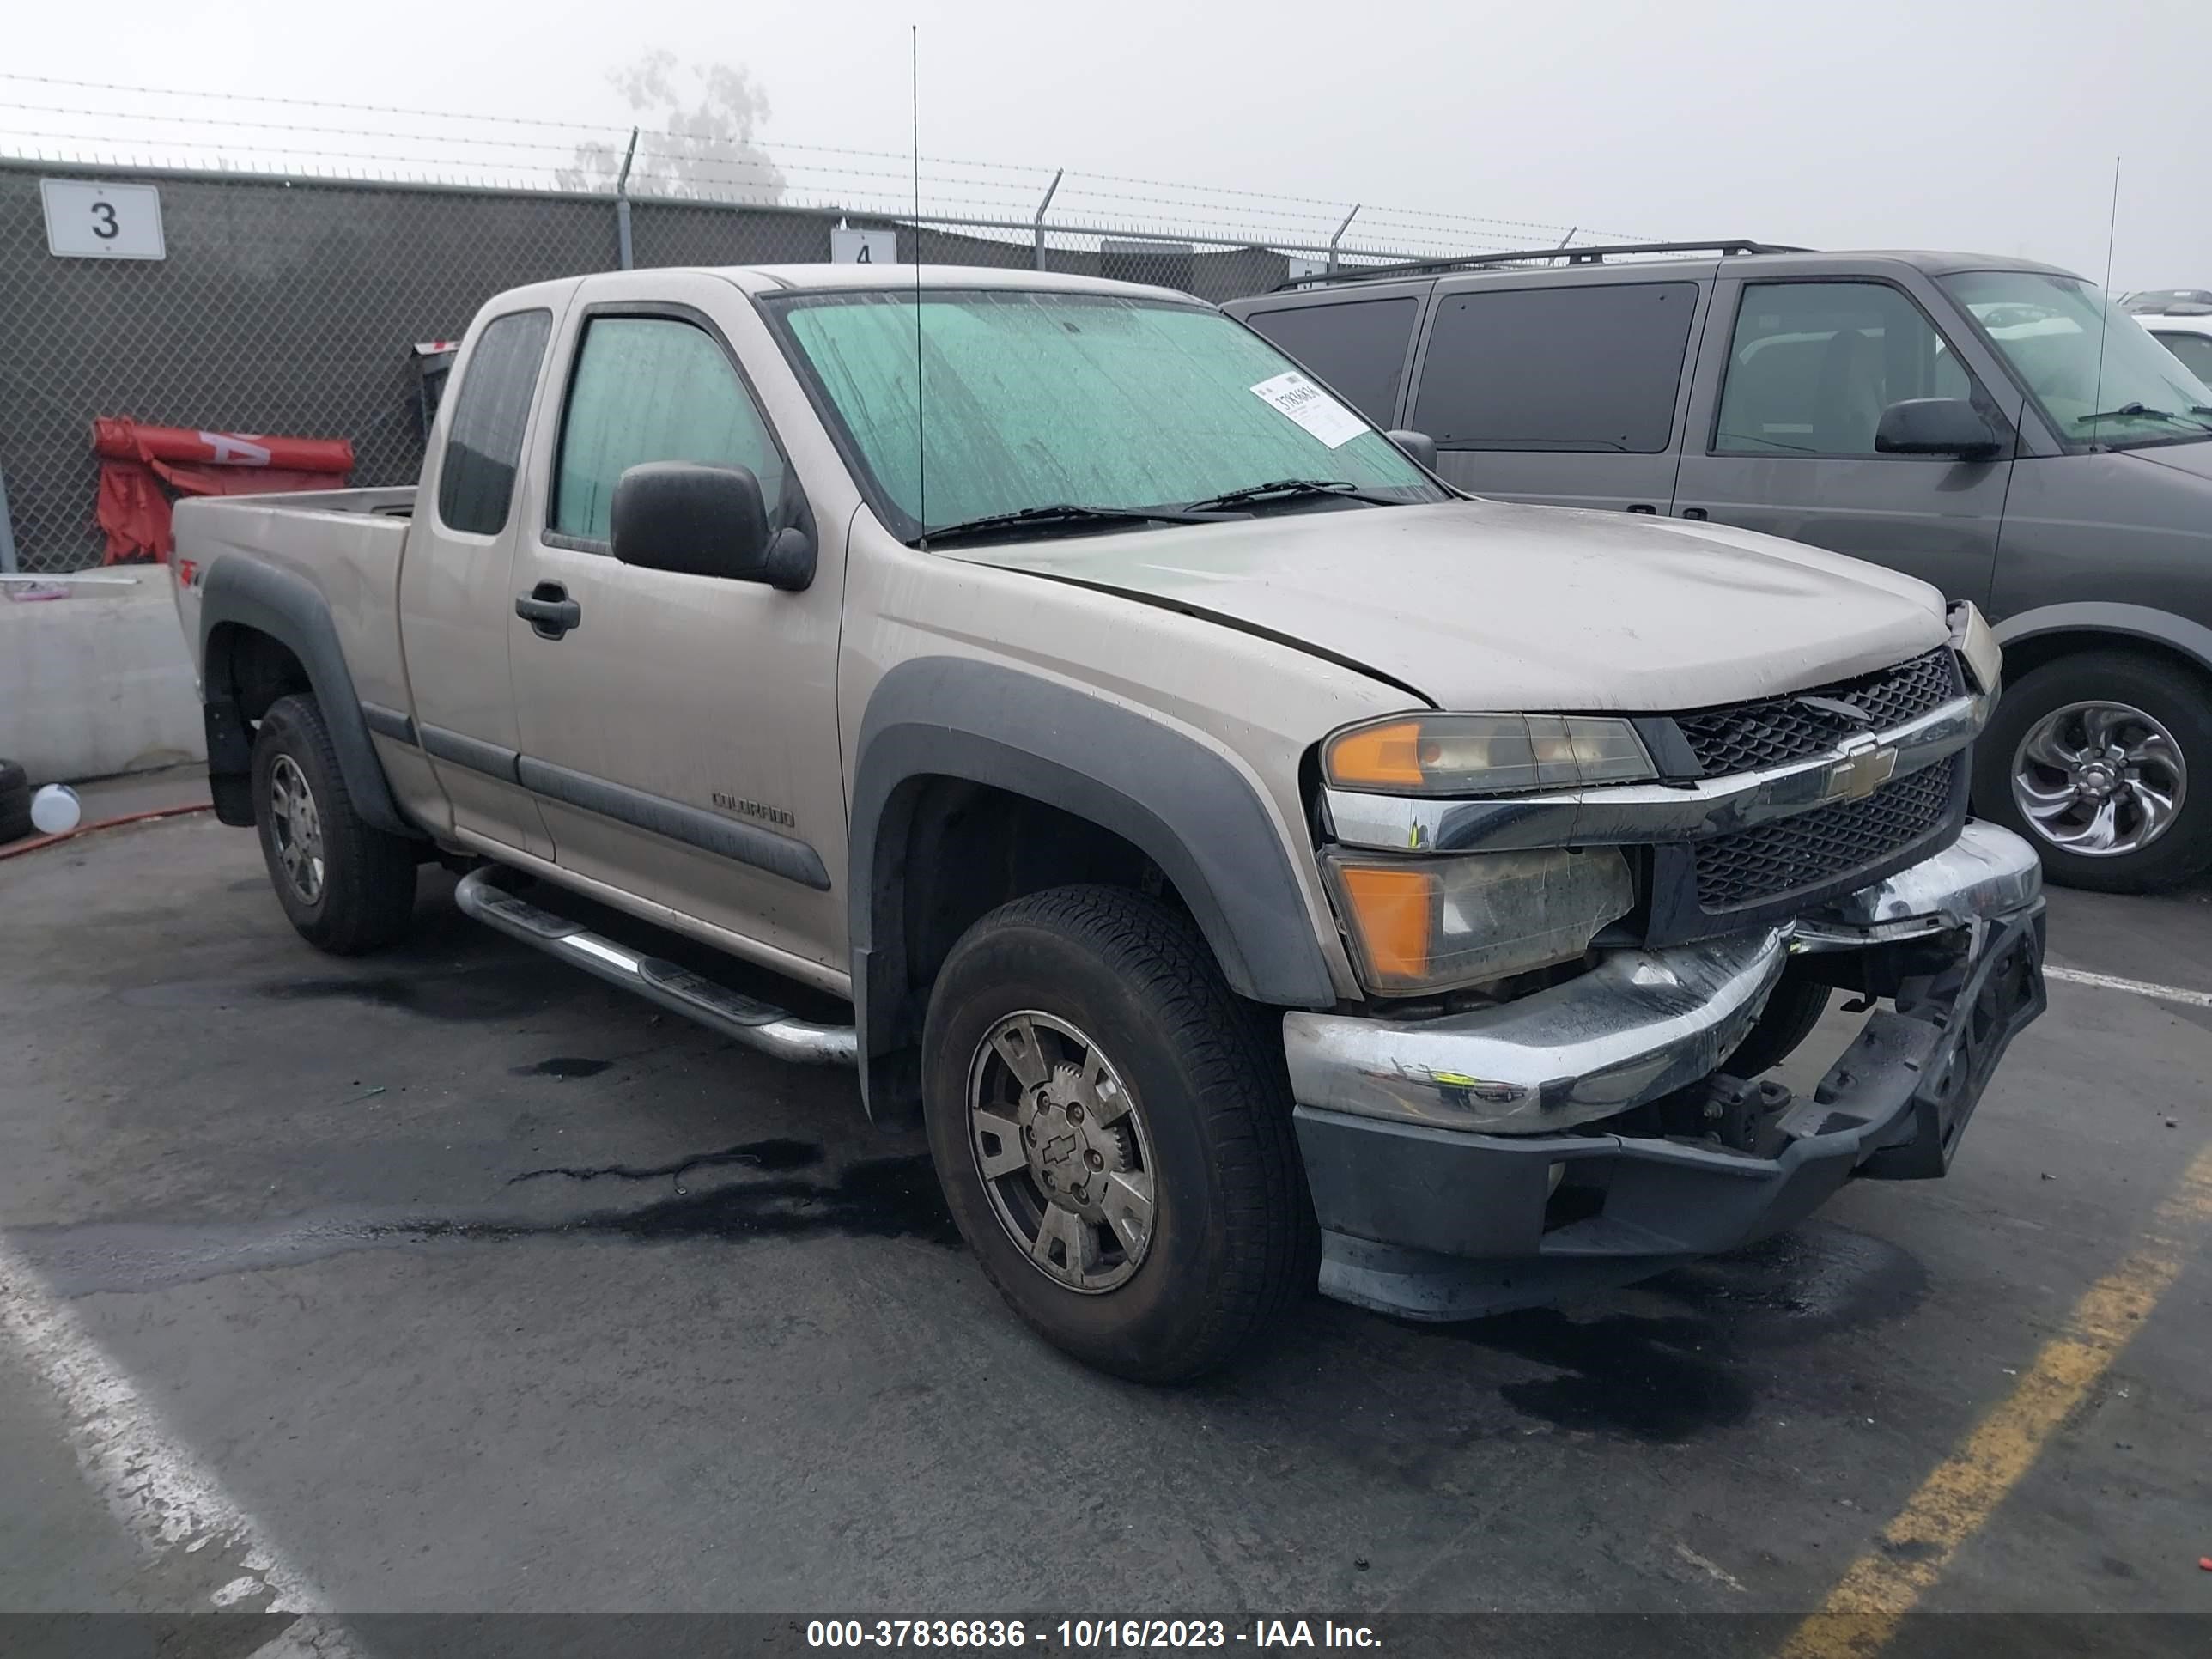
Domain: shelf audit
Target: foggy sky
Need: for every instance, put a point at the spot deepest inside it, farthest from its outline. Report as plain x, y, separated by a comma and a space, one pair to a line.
1990, 127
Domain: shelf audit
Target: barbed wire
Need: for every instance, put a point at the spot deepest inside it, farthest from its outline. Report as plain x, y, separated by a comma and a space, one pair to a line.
792, 160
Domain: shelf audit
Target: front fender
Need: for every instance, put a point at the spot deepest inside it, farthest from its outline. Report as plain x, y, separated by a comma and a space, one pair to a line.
2141, 622
1181, 805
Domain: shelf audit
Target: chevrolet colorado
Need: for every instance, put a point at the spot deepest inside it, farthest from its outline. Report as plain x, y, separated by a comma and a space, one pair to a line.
1253, 861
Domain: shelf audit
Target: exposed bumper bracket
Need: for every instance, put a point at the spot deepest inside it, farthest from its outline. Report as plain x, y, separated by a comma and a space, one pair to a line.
1640, 1024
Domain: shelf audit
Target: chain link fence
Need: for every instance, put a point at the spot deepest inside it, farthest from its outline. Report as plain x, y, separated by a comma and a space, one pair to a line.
291, 301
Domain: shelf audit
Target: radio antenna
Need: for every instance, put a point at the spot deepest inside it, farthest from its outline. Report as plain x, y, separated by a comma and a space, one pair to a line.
2104, 314
920, 442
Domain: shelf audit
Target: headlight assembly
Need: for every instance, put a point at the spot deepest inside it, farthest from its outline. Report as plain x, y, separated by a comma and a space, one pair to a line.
1484, 754
1435, 924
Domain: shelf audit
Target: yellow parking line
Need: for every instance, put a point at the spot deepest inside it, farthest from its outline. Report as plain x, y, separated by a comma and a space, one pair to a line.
1862, 1613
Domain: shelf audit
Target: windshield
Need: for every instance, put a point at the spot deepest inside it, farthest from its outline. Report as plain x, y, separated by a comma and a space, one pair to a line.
1043, 400
2156, 300
2096, 374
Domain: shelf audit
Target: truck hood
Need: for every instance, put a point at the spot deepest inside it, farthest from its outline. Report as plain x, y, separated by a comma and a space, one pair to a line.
1479, 605
2194, 458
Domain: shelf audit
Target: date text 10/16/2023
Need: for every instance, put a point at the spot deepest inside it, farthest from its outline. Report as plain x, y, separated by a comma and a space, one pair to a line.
1085, 1635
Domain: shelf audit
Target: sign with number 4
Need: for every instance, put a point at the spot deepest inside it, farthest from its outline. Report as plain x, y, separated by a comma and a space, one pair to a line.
89, 220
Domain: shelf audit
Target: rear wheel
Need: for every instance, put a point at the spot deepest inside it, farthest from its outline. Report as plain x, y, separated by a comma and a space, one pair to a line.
348, 887
2103, 761
1112, 1128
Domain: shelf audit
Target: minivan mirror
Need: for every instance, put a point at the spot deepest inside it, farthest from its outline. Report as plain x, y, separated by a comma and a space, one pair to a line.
1419, 445
705, 521
1937, 426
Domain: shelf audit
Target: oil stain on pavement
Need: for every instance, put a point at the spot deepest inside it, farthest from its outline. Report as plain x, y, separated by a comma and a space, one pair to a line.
1665, 1377
884, 1198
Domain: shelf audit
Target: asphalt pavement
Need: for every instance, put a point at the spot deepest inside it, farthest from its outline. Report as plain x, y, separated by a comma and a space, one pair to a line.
454, 1281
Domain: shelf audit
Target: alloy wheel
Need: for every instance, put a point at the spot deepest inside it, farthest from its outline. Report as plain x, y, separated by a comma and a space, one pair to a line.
1063, 1151
297, 827
2100, 779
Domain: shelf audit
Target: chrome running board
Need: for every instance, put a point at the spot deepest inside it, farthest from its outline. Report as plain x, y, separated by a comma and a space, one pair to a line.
742, 1019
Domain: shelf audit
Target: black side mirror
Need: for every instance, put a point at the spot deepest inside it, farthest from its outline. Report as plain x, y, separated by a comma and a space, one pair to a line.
1419, 445
1937, 426
705, 521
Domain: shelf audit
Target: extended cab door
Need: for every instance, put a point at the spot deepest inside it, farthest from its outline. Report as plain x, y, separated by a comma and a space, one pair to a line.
1790, 390
1563, 388
679, 730
455, 597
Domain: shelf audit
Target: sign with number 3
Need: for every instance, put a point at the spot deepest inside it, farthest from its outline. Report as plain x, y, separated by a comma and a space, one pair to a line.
90, 221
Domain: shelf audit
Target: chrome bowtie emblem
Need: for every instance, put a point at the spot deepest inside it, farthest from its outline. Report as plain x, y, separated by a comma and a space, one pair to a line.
1865, 767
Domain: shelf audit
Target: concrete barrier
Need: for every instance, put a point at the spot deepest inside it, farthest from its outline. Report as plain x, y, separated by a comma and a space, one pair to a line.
99, 683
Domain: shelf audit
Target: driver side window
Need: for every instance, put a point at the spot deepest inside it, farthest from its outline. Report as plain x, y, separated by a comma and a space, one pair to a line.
652, 389
1813, 365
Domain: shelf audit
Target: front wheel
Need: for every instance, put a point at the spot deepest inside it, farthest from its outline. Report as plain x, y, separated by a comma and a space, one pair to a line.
2104, 761
1112, 1128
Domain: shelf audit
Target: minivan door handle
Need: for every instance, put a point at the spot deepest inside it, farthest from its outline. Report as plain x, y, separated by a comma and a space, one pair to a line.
1694, 512
549, 611
1642, 507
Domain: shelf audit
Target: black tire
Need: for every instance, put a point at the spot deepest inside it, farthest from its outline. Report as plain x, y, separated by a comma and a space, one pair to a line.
1233, 1242
1792, 1010
365, 897
2178, 700
14, 802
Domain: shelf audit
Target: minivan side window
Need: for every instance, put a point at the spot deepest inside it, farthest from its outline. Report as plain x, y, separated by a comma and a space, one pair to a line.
484, 446
1813, 364
1560, 368
652, 389
1356, 347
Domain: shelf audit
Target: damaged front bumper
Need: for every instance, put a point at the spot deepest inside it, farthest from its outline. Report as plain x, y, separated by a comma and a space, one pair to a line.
1514, 1155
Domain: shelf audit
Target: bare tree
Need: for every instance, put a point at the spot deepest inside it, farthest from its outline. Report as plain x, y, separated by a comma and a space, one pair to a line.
699, 145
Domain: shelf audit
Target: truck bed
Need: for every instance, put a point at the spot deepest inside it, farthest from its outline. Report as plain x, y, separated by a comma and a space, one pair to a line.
346, 543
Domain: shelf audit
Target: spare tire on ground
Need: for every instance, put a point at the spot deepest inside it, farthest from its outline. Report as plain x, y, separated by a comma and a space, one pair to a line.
14, 802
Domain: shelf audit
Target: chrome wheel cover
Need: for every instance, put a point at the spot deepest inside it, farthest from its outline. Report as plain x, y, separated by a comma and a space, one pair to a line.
296, 826
2100, 779
1062, 1149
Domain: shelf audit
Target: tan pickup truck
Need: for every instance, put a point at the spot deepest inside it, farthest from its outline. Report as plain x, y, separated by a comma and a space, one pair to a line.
1256, 863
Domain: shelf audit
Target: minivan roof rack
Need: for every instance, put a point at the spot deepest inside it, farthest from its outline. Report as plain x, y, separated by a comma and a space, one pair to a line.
1573, 256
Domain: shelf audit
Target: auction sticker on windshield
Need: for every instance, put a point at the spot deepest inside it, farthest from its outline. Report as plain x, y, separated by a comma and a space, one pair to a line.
1311, 408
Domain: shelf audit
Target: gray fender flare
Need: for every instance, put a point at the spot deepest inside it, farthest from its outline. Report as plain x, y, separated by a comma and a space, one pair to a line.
286, 608
1181, 805
2143, 622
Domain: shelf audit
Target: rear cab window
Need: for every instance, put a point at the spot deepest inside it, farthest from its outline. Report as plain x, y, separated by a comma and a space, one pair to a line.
1570, 367
1355, 347
483, 445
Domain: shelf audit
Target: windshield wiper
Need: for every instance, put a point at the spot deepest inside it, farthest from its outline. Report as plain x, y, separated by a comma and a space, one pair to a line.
1290, 487
1068, 513
2140, 412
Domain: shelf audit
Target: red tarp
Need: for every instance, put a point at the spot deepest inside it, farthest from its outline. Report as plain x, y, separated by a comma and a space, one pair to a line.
135, 461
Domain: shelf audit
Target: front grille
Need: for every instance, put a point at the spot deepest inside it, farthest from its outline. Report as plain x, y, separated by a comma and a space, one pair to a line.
1772, 860
1746, 737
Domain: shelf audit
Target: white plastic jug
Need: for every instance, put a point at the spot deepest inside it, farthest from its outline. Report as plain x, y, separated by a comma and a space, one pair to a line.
55, 810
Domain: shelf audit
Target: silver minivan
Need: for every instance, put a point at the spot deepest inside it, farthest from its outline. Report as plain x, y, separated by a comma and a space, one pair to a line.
1999, 427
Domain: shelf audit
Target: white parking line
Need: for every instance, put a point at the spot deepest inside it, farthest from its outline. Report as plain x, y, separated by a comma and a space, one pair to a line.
2138, 988
159, 1492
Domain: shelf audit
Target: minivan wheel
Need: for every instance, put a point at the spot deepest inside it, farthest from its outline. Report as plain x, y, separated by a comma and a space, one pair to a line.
348, 887
1112, 1129
2103, 761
